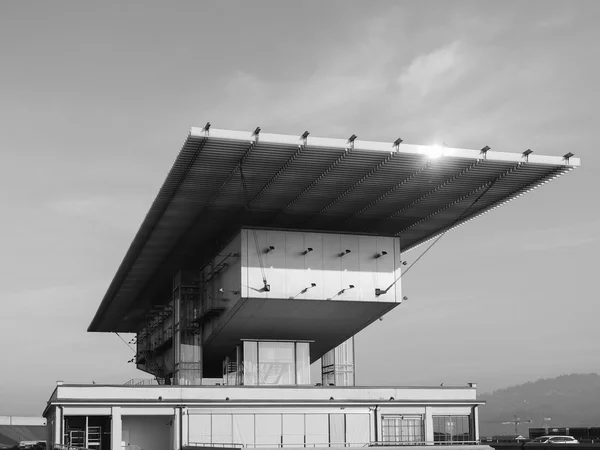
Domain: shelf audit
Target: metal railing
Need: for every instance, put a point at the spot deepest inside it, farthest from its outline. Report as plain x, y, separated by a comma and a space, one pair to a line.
141, 382
333, 445
66, 447
221, 445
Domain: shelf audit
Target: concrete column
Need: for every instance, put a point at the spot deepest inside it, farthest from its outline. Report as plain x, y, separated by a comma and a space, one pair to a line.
476, 423
184, 427
373, 421
428, 426
116, 429
58, 425
177, 429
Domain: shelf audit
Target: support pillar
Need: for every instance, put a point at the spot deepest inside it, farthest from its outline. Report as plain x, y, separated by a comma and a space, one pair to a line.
429, 436
184, 427
116, 429
58, 425
476, 423
177, 429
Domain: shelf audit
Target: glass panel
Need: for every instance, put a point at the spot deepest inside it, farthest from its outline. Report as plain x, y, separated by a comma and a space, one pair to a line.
337, 429
276, 363
199, 428
250, 363
243, 429
357, 429
221, 429
268, 429
230, 369
403, 430
302, 363
338, 365
317, 429
451, 429
293, 429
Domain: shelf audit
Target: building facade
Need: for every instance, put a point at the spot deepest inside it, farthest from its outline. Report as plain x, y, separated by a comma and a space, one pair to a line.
264, 254
159, 417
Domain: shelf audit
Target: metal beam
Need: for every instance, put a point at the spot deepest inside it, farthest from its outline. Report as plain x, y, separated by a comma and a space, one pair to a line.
507, 198
278, 174
313, 183
354, 186
463, 197
388, 192
428, 194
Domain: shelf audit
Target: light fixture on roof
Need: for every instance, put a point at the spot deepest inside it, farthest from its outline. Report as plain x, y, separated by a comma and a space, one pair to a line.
484, 151
351, 140
568, 156
304, 135
526, 154
207, 127
397, 142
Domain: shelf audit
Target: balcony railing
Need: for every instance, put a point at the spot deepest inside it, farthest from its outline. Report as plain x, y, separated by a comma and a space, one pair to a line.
142, 382
334, 445
66, 447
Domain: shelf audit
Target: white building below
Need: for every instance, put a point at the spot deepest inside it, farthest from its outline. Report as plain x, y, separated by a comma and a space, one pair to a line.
173, 417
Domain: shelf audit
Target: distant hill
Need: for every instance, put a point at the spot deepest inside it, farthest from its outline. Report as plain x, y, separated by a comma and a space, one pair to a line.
570, 400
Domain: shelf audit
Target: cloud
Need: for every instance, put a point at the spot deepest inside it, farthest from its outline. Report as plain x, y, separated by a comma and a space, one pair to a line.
121, 213
346, 76
440, 68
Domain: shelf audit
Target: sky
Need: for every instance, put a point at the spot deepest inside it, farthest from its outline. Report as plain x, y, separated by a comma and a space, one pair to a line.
96, 99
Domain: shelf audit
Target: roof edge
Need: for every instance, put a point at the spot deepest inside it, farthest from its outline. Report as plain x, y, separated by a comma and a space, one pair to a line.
431, 150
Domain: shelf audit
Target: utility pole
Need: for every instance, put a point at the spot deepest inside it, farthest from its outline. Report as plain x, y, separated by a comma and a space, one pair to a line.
516, 422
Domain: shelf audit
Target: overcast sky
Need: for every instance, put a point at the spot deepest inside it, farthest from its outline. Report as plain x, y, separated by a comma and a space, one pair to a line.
97, 97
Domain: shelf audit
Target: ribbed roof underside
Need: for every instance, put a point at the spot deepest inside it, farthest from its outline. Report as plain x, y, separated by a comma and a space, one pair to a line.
306, 184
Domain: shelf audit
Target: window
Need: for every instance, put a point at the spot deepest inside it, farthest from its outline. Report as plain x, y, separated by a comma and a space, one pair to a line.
276, 363
451, 429
405, 430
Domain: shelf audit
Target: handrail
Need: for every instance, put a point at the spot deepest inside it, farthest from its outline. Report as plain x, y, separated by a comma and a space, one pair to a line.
206, 444
141, 382
66, 447
333, 444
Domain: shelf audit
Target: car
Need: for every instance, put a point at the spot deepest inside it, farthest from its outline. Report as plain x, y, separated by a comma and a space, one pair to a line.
555, 440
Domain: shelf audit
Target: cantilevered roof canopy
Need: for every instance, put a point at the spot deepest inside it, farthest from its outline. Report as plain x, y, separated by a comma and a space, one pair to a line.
225, 180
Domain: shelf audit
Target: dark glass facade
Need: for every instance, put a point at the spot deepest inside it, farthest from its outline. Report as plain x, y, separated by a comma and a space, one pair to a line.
450, 429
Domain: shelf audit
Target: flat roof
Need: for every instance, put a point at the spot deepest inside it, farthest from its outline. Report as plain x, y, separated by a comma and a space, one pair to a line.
224, 180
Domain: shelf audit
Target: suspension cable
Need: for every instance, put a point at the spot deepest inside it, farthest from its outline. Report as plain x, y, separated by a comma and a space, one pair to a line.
266, 286
458, 219
125, 342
